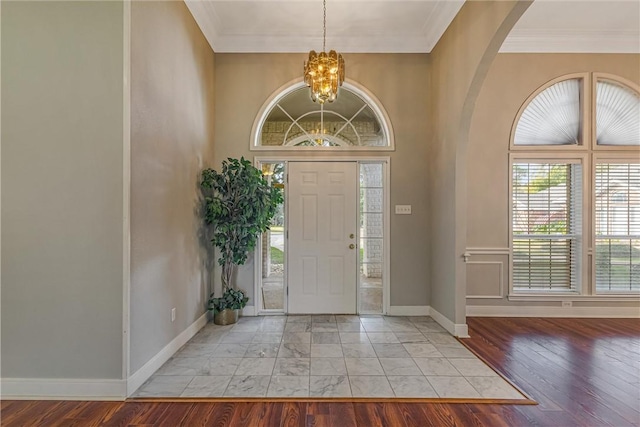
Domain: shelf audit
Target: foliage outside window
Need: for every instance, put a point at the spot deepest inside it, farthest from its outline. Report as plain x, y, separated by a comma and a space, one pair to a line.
546, 228
617, 223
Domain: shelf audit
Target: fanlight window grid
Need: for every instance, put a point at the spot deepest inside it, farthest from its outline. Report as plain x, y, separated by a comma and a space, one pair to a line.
295, 122
546, 237
617, 227
617, 115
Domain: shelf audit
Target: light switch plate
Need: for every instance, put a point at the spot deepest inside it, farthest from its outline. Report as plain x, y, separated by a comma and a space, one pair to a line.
403, 209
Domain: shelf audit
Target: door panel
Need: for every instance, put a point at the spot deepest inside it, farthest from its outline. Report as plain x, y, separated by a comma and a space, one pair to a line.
322, 268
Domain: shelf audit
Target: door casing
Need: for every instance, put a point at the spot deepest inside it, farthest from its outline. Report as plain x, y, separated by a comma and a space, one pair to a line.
386, 163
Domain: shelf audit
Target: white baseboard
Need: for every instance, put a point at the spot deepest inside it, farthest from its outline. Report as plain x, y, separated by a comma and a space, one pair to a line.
144, 373
545, 311
408, 310
63, 389
459, 330
249, 310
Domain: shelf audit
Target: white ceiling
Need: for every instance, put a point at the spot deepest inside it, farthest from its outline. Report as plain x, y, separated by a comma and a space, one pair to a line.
577, 26
373, 26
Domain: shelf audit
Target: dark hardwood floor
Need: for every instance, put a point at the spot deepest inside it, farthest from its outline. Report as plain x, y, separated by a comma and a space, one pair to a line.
582, 372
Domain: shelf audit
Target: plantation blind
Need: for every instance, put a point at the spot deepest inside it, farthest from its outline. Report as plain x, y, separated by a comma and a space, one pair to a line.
546, 226
617, 224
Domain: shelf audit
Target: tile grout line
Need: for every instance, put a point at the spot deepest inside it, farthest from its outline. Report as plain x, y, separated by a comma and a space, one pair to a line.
378, 326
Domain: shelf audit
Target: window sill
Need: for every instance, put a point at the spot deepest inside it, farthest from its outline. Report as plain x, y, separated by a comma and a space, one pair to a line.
572, 297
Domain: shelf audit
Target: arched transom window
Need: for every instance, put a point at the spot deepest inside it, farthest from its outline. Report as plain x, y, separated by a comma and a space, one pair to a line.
290, 120
559, 114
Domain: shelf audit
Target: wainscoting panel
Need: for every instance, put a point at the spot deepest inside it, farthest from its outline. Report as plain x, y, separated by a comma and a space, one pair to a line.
485, 279
487, 272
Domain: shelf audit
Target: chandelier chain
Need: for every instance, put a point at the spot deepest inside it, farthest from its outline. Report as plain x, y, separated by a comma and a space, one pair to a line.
324, 25
324, 72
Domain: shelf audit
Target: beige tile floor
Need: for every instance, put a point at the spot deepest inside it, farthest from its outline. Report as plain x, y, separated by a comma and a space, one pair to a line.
326, 356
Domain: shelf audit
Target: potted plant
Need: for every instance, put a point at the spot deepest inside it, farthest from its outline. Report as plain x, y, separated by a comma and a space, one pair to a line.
239, 203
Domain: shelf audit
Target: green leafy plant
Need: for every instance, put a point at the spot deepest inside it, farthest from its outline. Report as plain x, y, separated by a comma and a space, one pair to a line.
232, 299
239, 203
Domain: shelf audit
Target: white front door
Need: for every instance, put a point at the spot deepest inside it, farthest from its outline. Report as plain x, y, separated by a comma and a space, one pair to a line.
322, 247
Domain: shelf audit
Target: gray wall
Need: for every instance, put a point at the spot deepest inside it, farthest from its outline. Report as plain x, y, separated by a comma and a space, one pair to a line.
510, 81
245, 81
62, 108
172, 89
458, 66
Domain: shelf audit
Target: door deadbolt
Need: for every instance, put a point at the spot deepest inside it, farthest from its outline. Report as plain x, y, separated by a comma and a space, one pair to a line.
351, 236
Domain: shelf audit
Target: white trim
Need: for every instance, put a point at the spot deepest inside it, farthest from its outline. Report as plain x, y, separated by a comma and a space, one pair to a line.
439, 20
126, 189
249, 310
257, 271
0, 200
386, 242
544, 311
571, 41
460, 330
369, 98
408, 310
488, 251
63, 389
205, 15
575, 297
435, 24
145, 372
289, 44
501, 283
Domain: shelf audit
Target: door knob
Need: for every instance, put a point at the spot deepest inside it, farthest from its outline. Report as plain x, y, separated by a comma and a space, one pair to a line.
351, 236
352, 246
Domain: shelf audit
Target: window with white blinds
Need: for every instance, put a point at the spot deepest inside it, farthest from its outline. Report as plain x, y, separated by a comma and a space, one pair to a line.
617, 227
546, 226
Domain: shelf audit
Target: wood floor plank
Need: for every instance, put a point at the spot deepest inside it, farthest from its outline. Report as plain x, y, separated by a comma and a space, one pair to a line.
293, 414
222, 414
251, 414
148, 413
318, 414
414, 415
367, 414
117, 415
61, 413
174, 414
438, 415
569, 355
32, 412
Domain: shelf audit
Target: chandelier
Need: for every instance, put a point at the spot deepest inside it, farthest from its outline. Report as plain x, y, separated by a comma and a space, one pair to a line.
324, 72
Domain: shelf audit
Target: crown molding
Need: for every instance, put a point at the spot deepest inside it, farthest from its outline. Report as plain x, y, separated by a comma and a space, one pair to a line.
286, 44
443, 12
571, 41
204, 14
438, 21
